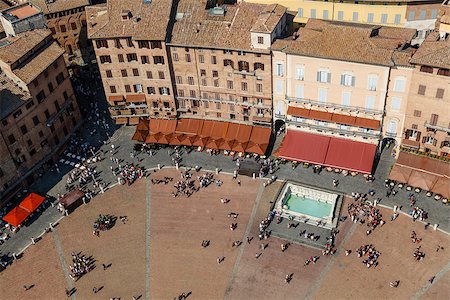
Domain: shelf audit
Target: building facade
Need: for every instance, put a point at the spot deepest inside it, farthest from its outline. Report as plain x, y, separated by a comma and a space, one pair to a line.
134, 62
196, 60
39, 110
420, 15
427, 123
344, 80
67, 21
222, 67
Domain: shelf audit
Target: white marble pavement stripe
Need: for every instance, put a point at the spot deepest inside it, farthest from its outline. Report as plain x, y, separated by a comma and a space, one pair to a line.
427, 286
147, 237
60, 252
312, 290
242, 247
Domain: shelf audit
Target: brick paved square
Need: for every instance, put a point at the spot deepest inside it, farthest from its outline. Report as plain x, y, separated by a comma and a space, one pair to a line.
179, 264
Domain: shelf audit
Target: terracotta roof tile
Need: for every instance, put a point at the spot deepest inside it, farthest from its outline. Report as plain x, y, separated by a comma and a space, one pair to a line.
11, 96
59, 5
433, 52
21, 44
148, 21
353, 42
29, 71
195, 27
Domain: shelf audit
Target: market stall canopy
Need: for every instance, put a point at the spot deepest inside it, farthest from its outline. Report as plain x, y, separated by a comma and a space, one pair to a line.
140, 135
424, 163
16, 216
153, 138
442, 187
72, 199
143, 125
304, 147
32, 202
350, 155
422, 180
400, 173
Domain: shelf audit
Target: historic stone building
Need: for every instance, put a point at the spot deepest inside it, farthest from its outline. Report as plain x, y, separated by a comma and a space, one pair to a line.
194, 59
38, 107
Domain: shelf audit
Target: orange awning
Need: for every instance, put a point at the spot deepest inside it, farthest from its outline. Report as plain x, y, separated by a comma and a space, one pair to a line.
244, 133
153, 138
200, 141
260, 135
207, 128
410, 143
32, 202
176, 139
16, 216
136, 98
344, 119
214, 144
122, 120
140, 135
114, 98
219, 130
367, 123
232, 131
298, 112
239, 147
143, 125
165, 138
320, 115
133, 121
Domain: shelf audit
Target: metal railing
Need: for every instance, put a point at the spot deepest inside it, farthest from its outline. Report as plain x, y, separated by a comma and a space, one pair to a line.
129, 116
334, 129
390, 134
333, 105
436, 127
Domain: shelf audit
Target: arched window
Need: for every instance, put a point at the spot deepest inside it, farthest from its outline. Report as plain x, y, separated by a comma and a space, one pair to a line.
228, 62
244, 66
258, 65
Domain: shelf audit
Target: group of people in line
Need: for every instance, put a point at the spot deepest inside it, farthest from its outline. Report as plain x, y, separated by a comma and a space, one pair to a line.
81, 264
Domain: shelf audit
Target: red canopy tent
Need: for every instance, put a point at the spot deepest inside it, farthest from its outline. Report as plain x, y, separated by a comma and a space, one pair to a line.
32, 202
16, 216
305, 147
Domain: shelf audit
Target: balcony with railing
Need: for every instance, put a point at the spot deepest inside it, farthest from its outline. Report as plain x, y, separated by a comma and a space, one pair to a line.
391, 135
334, 105
64, 107
428, 125
333, 129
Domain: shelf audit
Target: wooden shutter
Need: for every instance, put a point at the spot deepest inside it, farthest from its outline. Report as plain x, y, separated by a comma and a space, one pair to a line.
418, 136
329, 78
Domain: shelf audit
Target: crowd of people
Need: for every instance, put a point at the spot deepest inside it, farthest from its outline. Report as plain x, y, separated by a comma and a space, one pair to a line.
362, 211
130, 172
81, 264
103, 223
371, 255
418, 213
